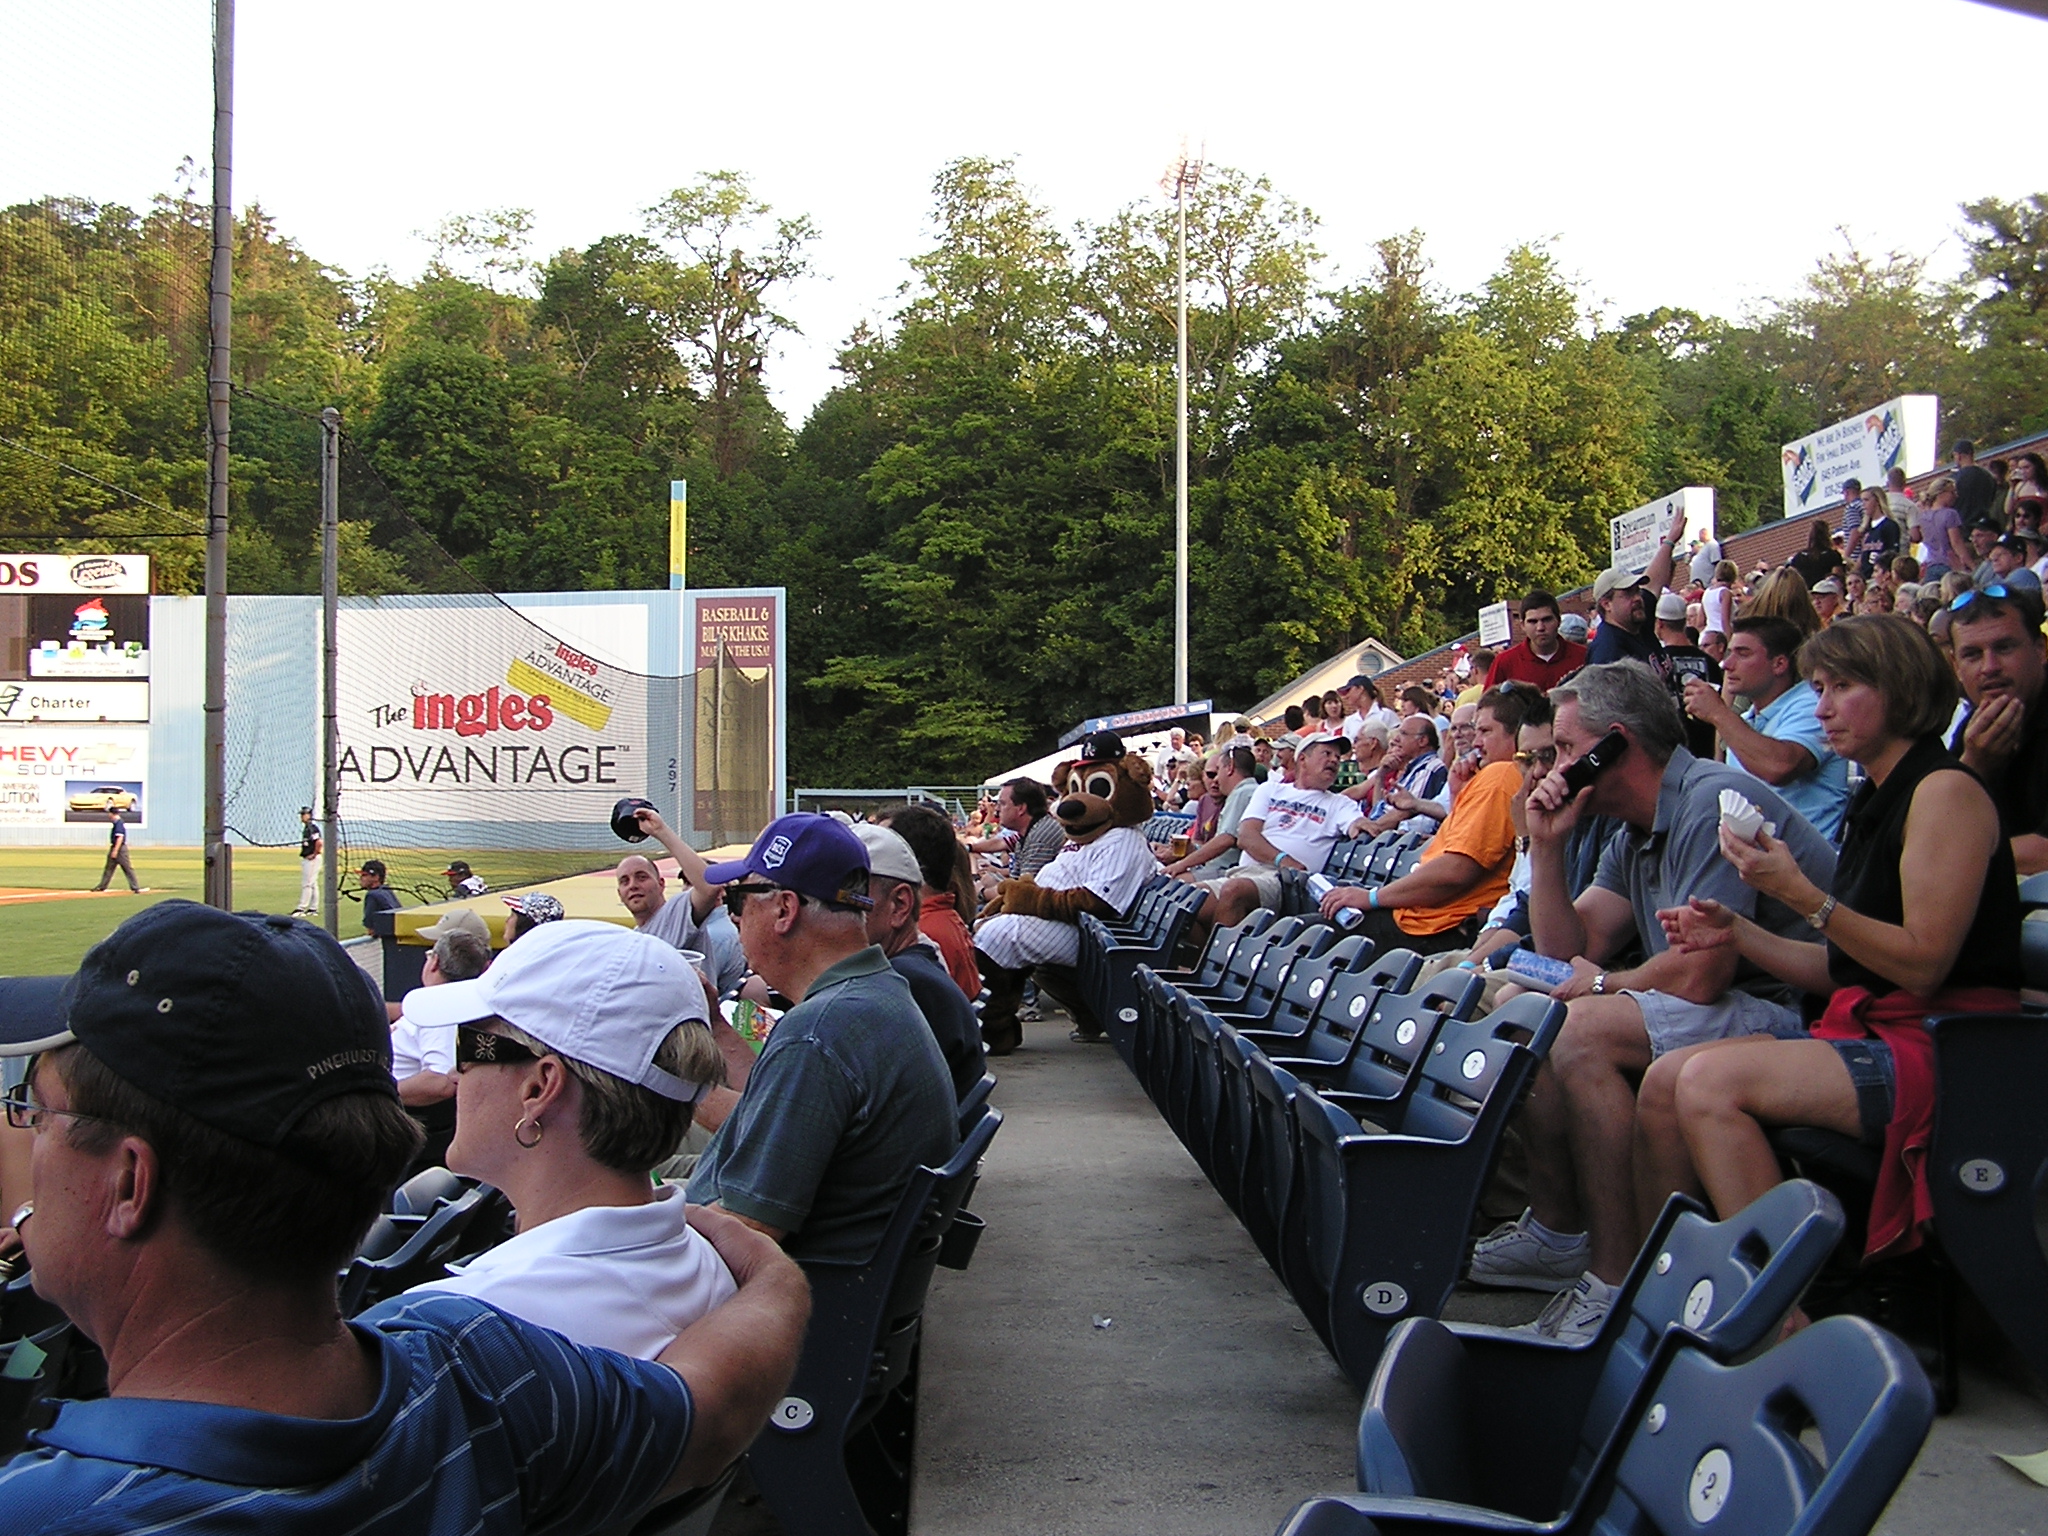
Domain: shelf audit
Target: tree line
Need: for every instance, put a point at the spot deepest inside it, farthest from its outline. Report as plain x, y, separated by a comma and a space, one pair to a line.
975, 526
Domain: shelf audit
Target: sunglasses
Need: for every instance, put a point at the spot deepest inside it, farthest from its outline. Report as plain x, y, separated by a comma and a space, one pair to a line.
1547, 756
736, 897
1996, 589
479, 1047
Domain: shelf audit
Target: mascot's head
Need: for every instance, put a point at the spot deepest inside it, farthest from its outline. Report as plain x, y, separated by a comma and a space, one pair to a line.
1104, 787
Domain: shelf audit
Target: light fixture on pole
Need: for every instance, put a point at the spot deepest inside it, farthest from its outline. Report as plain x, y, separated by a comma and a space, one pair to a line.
1180, 179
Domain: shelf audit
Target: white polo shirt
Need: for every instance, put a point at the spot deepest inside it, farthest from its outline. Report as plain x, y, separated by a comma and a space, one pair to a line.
420, 1050
623, 1277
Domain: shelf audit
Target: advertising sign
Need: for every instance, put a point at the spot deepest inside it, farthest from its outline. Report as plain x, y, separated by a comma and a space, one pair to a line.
1494, 626
56, 776
1632, 538
471, 713
1899, 434
81, 574
73, 701
746, 625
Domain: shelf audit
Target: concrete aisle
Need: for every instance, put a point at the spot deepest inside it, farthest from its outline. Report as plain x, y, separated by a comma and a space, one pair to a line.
1205, 1405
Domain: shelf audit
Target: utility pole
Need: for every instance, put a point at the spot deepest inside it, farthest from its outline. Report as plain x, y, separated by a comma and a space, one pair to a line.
1182, 174
220, 884
330, 667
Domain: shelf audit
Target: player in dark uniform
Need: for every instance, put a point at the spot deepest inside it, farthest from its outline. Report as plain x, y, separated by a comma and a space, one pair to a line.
309, 864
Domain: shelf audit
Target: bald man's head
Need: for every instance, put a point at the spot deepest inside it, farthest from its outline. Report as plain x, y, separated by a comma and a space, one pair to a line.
640, 887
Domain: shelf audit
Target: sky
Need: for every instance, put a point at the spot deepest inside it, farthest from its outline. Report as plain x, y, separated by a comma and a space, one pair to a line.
1695, 156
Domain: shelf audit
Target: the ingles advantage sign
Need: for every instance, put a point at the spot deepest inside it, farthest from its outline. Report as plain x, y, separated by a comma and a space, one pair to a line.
472, 713
1899, 434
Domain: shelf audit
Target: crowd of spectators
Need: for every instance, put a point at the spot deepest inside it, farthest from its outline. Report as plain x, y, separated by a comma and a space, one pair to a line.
1874, 702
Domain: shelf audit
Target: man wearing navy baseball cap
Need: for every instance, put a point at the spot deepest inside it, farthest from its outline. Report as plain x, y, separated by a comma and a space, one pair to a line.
215, 1127
850, 1095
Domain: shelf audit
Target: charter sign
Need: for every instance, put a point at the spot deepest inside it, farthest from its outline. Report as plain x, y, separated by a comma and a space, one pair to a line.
1899, 434
476, 714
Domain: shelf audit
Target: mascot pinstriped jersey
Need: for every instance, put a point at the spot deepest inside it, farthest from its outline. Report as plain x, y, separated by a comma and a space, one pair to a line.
1105, 797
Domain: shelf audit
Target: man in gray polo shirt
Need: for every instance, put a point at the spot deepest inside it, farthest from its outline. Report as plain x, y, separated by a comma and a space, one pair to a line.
850, 1094
1582, 1229
1237, 780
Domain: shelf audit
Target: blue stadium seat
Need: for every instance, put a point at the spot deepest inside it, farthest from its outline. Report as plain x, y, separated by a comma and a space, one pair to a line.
1110, 960
835, 1458
1988, 1168
1498, 1418
405, 1248
1374, 1084
1150, 1057
1812, 1437
1386, 1216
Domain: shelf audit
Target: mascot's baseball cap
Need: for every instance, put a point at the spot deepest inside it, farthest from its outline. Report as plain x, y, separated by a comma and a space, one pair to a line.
804, 852
243, 1020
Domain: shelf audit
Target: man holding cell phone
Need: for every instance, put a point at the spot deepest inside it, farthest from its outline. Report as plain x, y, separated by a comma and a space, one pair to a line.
1621, 753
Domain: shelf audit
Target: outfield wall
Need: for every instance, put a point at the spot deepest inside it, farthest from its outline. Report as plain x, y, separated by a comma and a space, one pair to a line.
618, 674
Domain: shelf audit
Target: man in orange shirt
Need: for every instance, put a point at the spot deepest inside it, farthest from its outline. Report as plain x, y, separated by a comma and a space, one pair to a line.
1464, 868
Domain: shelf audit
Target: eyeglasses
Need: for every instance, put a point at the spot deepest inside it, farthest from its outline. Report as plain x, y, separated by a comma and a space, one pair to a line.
25, 1114
1547, 756
479, 1047
1963, 600
736, 897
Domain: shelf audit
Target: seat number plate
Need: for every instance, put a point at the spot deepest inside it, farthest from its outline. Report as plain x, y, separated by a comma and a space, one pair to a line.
792, 1414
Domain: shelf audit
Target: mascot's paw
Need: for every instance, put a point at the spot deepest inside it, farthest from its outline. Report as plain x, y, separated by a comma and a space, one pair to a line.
1029, 900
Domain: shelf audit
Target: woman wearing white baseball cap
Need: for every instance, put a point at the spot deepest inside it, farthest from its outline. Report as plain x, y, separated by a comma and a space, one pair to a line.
580, 1056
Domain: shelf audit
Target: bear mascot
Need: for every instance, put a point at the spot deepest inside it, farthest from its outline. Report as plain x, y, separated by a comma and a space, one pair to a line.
1105, 797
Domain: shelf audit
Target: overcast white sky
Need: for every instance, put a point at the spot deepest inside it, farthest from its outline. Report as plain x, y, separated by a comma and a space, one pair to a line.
1699, 156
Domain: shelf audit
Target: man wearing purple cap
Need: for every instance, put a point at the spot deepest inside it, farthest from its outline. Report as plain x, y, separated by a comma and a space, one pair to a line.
850, 1094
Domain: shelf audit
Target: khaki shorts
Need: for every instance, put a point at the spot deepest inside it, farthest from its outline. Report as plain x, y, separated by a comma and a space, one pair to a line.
1265, 879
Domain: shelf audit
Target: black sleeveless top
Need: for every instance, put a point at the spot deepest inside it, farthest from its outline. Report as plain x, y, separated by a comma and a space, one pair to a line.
1867, 880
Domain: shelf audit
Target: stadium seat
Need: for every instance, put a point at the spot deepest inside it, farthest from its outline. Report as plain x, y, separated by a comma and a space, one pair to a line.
1812, 1437
692, 1513
1110, 960
403, 1248
1185, 1095
1498, 1418
1386, 1064
1166, 1042
1386, 1216
976, 1101
1155, 983
836, 1457
1269, 1182
1988, 1168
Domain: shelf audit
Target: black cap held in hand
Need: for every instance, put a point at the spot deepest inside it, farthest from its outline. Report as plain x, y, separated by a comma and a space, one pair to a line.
625, 820
243, 1020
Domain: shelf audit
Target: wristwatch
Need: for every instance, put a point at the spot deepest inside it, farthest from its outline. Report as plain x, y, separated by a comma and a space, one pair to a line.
1600, 985
1819, 916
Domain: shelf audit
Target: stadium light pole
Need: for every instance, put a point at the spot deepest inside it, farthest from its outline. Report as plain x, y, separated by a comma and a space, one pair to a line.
220, 886
330, 668
1183, 174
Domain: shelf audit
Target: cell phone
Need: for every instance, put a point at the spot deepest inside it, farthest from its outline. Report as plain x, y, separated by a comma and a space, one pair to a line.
1607, 751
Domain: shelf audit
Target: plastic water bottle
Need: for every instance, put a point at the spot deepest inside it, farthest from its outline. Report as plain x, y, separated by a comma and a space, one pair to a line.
1320, 886
1541, 969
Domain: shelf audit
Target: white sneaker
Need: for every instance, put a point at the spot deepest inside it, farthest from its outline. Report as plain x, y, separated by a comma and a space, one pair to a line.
1512, 1257
1575, 1316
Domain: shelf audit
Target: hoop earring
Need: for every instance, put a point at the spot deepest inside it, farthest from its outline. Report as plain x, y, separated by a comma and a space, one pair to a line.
537, 1129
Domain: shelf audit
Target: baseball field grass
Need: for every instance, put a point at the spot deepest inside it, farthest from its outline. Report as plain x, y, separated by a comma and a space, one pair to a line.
45, 935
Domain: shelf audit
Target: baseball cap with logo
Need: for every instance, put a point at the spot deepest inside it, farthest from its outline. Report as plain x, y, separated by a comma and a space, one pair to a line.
243, 1020
597, 993
888, 854
804, 852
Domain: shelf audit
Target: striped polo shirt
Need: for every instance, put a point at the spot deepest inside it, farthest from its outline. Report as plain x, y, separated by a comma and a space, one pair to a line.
483, 1424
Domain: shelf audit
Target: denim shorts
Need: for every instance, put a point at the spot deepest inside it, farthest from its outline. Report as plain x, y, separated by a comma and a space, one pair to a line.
1876, 1077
